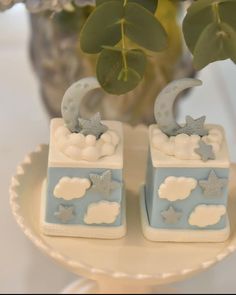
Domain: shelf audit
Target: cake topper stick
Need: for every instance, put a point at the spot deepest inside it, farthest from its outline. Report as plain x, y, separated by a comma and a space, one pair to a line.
70, 107
164, 105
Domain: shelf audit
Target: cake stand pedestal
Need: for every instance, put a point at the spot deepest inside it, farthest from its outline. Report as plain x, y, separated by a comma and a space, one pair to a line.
128, 265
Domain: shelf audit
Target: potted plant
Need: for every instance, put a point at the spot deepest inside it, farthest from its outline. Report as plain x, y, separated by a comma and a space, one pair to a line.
134, 47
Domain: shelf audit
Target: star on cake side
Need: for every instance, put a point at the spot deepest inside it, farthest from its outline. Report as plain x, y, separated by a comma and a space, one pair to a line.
103, 183
205, 151
171, 216
213, 186
65, 213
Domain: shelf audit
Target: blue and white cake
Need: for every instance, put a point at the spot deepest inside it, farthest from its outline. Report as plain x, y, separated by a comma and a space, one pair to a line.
83, 195
186, 191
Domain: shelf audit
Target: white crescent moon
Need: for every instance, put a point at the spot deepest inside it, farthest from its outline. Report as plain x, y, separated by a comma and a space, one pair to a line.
70, 106
164, 104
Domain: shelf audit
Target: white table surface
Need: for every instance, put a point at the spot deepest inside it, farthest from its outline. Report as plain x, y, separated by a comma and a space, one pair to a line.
24, 125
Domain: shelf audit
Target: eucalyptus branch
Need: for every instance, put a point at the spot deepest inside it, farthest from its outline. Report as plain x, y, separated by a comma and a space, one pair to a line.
213, 39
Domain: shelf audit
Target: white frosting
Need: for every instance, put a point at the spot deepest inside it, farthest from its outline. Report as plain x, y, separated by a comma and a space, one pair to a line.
183, 146
71, 188
102, 212
205, 215
177, 188
79, 147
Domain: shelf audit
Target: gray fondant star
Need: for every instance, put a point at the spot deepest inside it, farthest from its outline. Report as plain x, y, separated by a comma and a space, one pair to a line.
103, 183
171, 216
212, 187
194, 126
92, 126
205, 151
65, 213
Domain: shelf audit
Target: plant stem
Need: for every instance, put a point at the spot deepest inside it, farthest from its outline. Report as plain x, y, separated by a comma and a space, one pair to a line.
123, 46
215, 9
124, 49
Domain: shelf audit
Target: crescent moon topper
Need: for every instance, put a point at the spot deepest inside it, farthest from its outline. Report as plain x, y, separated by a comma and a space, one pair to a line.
164, 110
70, 109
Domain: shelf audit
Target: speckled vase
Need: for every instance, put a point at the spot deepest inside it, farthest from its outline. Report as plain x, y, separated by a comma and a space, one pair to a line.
58, 62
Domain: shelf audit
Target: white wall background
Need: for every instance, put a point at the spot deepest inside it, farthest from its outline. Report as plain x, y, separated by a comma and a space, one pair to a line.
24, 124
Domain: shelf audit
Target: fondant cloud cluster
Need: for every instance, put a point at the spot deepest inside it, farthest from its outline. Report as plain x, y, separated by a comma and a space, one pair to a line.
182, 146
71, 188
78, 147
102, 212
205, 215
176, 188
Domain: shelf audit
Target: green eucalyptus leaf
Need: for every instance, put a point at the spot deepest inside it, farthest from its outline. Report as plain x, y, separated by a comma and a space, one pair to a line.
150, 5
193, 27
112, 48
210, 31
209, 47
199, 5
114, 77
229, 36
227, 13
200, 14
99, 2
143, 28
102, 27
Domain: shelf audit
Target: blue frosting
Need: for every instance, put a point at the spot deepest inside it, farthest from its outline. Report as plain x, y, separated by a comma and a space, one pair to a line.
80, 205
155, 205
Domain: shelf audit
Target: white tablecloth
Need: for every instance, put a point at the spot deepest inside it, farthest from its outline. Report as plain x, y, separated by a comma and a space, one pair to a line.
24, 124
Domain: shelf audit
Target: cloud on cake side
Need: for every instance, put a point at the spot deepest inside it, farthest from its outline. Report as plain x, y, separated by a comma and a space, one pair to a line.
176, 188
183, 146
102, 212
71, 188
79, 147
205, 215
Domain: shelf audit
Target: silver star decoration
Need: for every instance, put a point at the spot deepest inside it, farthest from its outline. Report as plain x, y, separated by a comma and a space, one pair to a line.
171, 216
104, 184
194, 126
65, 213
92, 126
205, 151
212, 187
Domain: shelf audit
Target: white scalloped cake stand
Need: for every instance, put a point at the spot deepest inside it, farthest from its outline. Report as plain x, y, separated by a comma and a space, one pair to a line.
131, 264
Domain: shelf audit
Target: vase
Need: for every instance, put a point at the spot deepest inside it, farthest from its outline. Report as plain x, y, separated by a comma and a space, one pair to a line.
58, 62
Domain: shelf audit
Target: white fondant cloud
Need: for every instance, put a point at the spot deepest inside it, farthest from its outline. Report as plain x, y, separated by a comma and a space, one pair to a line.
78, 147
205, 215
102, 212
71, 188
183, 146
176, 188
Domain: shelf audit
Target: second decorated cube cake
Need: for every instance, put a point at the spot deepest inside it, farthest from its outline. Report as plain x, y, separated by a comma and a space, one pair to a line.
186, 191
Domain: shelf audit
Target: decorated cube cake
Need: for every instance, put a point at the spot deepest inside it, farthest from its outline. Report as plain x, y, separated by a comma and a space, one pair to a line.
186, 191
83, 194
